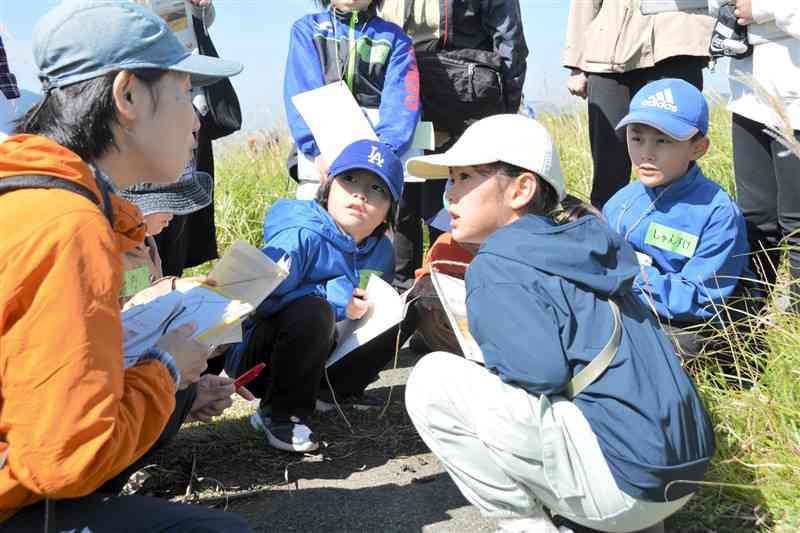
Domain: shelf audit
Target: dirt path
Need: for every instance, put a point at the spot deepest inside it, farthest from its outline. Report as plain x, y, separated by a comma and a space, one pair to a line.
378, 477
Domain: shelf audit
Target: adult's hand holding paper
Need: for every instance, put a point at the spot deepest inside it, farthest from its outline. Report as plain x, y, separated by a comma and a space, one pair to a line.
334, 118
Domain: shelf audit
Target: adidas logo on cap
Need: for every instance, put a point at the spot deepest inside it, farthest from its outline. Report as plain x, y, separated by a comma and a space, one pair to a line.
662, 100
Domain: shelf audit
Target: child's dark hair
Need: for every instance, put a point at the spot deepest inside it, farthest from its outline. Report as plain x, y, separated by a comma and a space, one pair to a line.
80, 116
391, 217
545, 202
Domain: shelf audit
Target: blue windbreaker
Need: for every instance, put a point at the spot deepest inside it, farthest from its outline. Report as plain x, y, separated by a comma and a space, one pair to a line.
696, 237
537, 306
325, 261
377, 62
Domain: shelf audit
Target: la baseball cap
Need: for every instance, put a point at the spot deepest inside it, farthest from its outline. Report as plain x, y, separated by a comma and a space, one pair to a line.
672, 106
375, 157
513, 139
79, 40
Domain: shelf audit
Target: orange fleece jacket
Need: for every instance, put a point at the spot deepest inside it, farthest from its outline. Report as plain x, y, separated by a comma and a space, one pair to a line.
71, 417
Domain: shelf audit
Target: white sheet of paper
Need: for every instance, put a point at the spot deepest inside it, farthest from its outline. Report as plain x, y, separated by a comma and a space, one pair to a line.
143, 325
452, 293
334, 117
387, 308
247, 274
651, 7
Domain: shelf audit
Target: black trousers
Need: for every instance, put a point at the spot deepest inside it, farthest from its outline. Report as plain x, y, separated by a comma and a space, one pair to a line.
420, 202
295, 344
191, 240
105, 511
610, 96
768, 191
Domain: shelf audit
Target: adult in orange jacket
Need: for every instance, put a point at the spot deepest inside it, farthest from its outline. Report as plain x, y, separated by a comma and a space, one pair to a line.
75, 415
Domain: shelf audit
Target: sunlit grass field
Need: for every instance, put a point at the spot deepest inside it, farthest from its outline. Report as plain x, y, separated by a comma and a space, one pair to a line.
754, 482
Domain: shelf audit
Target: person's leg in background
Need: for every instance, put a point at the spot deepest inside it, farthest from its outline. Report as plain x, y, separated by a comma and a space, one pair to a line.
686, 68
408, 236
787, 173
201, 229
431, 202
609, 99
757, 195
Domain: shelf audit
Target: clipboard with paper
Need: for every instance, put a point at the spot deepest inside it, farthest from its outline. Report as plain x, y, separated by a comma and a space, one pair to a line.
452, 292
387, 309
244, 276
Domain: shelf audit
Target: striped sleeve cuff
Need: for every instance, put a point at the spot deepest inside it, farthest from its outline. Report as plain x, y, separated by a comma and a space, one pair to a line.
158, 355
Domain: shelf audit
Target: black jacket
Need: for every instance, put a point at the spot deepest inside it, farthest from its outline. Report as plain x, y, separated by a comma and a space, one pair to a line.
493, 25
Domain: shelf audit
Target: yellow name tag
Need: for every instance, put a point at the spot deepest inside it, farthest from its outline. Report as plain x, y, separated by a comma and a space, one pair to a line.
671, 239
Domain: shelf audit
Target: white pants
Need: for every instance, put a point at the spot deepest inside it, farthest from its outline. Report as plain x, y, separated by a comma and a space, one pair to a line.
509, 451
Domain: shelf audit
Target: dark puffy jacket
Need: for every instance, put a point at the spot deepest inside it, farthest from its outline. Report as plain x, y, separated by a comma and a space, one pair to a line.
492, 25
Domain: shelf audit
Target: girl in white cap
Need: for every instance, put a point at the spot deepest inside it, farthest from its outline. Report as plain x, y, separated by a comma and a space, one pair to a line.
581, 405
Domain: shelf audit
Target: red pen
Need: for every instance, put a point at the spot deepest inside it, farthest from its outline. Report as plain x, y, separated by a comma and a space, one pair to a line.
248, 376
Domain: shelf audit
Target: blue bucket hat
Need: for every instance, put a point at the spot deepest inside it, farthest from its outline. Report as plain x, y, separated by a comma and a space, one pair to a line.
375, 157
79, 40
673, 106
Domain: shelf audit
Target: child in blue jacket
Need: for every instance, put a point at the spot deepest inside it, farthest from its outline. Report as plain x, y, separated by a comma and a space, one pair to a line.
689, 235
376, 60
581, 404
332, 242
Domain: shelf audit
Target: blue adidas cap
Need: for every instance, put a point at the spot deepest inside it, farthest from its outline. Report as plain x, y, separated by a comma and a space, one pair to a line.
79, 40
673, 106
375, 157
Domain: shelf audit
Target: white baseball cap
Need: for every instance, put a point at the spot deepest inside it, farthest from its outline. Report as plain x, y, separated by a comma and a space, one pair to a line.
514, 139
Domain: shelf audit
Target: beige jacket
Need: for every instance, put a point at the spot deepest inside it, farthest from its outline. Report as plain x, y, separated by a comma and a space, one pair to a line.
612, 36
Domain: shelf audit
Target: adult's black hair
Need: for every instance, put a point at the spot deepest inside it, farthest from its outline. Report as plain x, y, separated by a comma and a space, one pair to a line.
391, 217
80, 117
545, 202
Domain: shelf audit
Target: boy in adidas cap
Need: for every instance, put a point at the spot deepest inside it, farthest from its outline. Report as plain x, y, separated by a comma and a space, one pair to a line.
688, 233
334, 243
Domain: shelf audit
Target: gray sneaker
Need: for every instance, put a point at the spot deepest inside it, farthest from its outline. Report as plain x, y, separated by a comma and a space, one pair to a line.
287, 433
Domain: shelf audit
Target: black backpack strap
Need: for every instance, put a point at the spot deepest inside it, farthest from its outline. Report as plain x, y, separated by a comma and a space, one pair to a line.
35, 181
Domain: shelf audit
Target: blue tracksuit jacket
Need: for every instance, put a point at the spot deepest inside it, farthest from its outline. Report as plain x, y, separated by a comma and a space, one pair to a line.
325, 261
696, 237
377, 62
536, 304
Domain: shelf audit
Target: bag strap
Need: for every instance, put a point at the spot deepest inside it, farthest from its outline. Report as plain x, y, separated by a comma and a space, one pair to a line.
36, 181
600, 363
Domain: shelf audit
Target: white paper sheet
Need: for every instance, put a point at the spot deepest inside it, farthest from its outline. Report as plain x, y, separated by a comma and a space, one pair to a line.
334, 117
246, 273
212, 312
452, 293
386, 309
